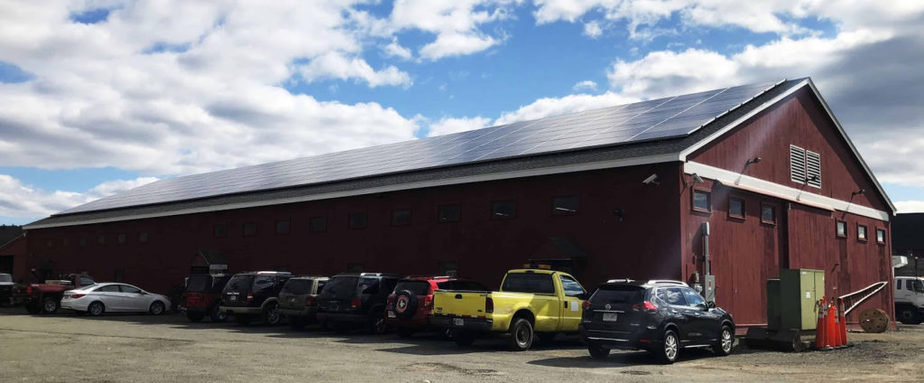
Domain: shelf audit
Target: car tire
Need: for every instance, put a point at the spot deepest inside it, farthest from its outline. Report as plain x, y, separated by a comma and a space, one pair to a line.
195, 317
410, 304
243, 319
726, 342
521, 334
50, 305
157, 308
96, 309
463, 338
405, 332
597, 352
909, 316
217, 315
670, 347
271, 315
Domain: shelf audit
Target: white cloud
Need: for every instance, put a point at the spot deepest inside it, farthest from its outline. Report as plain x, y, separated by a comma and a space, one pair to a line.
448, 125
910, 206
551, 106
456, 24
335, 65
456, 44
394, 49
584, 86
22, 201
593, 29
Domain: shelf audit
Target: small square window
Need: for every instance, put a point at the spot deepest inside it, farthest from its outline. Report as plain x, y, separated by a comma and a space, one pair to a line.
83, 241
701, 201
249, 229
317, 224
450, 268
400, 217
101, 240
282, 226
736, 207
565, 205
220, 230
503, 210
66, 242
449, 213
357, 220
768, 214
861, 233
880, 236
121, 238
50, 243
841, 229
143, 237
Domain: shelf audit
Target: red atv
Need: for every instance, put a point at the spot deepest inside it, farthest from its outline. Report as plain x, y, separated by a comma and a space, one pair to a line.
46, 297
409, 307
202, 296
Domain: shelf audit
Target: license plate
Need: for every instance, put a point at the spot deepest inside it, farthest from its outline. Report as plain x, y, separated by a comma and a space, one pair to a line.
458, 322
391, 314
232, 298
609, 317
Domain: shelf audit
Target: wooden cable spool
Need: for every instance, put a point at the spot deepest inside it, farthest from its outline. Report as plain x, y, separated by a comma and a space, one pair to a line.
874, 320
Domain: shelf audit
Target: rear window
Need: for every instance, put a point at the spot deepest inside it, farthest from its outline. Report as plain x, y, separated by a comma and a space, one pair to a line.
462, 285
198, 283
416, 287
298, 286
240, 283
340, 288
607, 294
262, 282
529, 283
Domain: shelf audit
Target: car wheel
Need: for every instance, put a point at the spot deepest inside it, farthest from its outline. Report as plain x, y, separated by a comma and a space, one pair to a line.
271, 314
195, 317
463, 338
405, 332
217, 315
242, 319
96, 309
597, 351
670, 348
157, 308
908, 316
49, 305
726, 342
521, 334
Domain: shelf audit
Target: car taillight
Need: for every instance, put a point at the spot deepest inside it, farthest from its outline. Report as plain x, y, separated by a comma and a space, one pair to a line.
75, 296
391, 300
355, 303
585, 305
29, 290
646, 305
488, 305
309, 301
249, 297
428, 302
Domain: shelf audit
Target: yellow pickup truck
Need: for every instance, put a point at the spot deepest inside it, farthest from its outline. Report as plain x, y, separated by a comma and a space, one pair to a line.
530, 301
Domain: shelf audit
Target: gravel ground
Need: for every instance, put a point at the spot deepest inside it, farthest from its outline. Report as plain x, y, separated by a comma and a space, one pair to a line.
137, 348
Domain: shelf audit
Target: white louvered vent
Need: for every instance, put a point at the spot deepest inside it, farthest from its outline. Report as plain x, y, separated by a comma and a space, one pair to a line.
813, 168
797, 164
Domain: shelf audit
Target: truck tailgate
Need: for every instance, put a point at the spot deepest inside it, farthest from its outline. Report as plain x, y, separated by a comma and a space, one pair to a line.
459, 303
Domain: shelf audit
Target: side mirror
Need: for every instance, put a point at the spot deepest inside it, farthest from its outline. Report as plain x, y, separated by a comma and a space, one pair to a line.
710, 304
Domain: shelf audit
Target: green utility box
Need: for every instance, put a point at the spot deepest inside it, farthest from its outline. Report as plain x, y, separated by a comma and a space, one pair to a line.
791, 299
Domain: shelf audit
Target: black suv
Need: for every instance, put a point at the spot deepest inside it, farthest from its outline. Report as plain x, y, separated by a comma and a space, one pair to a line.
658, 316
356, 299
254, 295
298, 300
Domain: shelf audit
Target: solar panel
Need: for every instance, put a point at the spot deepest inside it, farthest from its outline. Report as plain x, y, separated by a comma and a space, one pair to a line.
647, 120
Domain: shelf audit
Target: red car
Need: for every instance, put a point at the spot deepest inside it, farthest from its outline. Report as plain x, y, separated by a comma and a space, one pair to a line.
410, 305
201, 296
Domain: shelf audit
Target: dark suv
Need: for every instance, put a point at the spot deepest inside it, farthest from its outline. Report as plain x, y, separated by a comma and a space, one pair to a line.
356, 299
202, 296
298, 300
253, 295
661, 317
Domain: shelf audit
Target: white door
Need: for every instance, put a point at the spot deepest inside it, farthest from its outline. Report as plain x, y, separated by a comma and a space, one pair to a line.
134, 300
110, 295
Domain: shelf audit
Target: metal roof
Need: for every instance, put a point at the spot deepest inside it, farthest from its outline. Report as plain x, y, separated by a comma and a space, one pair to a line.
623, 124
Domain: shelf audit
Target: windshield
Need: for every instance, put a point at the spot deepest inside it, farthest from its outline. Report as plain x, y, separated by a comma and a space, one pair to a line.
6, 278
240, 283
340, 288
298, 286
539, 283
618, 294
198, 283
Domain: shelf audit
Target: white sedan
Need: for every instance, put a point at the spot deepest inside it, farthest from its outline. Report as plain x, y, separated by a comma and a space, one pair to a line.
114, 297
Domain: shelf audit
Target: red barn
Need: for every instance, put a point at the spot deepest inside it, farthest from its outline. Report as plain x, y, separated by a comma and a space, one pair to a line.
614, 192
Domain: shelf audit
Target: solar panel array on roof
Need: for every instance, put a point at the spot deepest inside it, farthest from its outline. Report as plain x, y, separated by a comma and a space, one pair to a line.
648, 120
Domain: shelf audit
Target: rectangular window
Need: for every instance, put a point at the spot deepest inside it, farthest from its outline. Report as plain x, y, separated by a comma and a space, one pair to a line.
357, 220
401, 217
282, 226
66, 242
797, 164
220, 230
317, 224
701, 201
143, 237
768, 214
565, 205
450, 268
861, 233
50, 243
880, 236
249, 229
101, 240
83, 241
449, 213
503, 209
736, 207
841, 229
121, 239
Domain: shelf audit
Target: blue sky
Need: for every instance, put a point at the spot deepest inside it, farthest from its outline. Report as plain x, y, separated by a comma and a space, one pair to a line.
101, 97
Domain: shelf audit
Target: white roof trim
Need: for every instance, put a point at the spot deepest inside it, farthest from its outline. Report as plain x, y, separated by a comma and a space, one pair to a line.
807, 82
740, 181
652, 159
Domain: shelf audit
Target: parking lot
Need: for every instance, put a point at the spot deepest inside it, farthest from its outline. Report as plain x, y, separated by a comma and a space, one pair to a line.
141, 348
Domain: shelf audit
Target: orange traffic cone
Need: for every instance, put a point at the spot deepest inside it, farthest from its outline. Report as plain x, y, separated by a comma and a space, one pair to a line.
831, 323
842, 316
820, 326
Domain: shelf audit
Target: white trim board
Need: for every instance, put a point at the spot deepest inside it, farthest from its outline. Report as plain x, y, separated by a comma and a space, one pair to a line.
644, 160
740, 181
